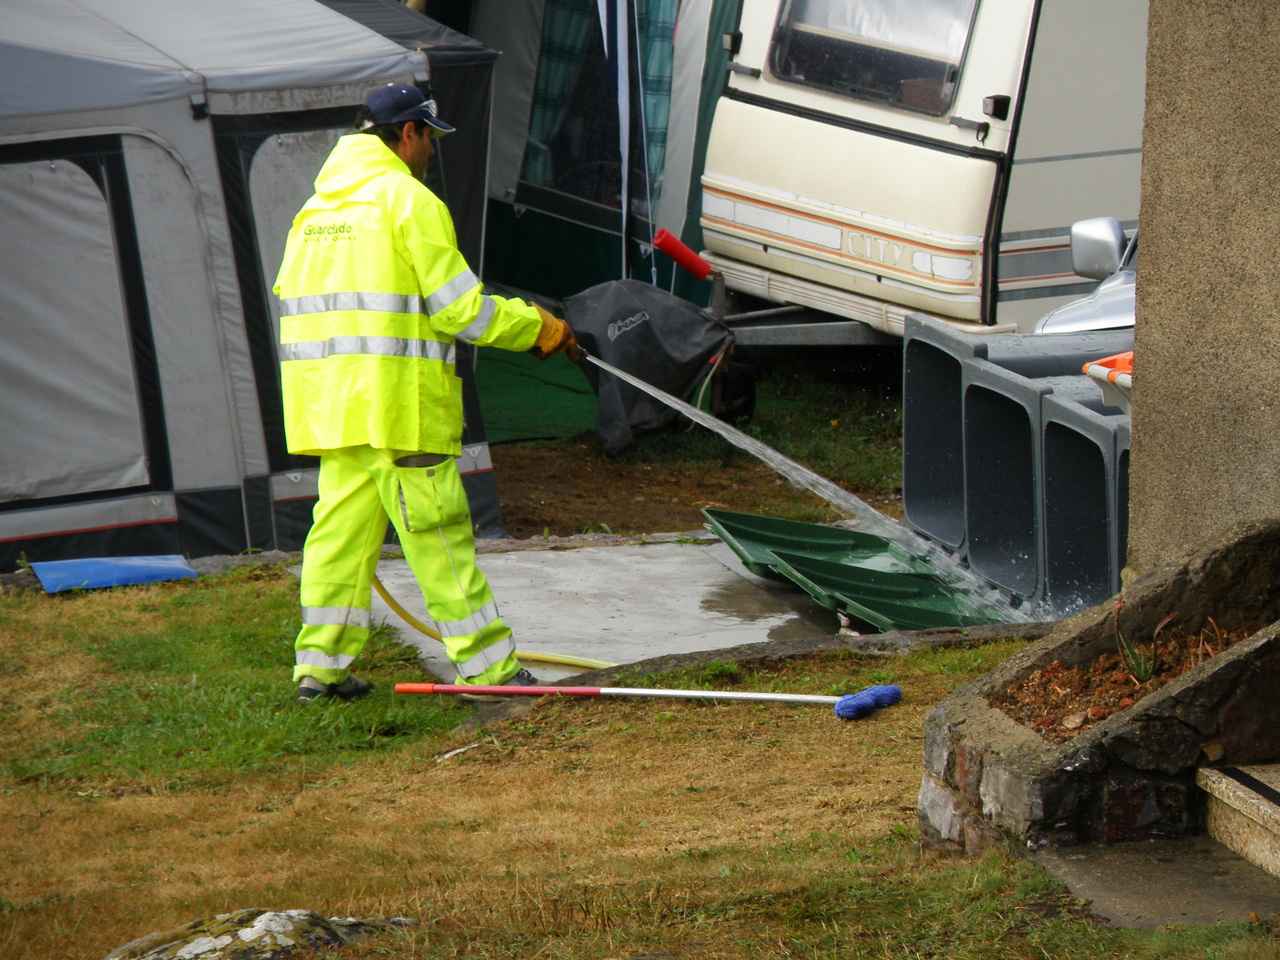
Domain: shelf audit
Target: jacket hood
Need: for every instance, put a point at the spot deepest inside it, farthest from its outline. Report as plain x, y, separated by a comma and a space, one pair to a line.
356, 159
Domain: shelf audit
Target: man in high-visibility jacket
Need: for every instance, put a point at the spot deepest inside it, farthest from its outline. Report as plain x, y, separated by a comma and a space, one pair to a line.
373, 295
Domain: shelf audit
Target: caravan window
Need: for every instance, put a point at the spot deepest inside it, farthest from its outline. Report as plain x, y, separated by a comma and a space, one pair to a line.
902, 52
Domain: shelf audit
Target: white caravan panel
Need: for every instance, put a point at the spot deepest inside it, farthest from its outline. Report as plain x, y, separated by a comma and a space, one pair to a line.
826, 226
875, 156
853, 151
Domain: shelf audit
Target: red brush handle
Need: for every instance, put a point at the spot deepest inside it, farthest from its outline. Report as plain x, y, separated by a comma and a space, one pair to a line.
527, 691
670, 245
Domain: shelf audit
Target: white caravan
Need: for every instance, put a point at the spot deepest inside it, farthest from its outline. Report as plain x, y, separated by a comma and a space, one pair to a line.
874, 158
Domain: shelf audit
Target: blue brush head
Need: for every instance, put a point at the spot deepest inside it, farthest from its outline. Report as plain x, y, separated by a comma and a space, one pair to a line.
858, 705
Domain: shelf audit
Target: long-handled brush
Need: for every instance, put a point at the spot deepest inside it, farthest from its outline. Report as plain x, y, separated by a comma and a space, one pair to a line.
852, 706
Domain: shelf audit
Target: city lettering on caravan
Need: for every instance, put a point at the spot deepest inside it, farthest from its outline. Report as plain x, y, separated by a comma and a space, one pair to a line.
877, 249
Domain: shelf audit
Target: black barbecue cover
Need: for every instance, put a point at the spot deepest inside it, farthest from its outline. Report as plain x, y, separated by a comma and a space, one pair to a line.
650, 334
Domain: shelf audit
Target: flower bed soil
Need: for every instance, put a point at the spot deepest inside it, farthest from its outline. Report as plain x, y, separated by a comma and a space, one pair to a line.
1059, 703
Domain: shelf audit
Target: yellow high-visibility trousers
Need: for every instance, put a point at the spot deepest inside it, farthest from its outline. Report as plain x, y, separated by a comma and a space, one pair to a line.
360, 489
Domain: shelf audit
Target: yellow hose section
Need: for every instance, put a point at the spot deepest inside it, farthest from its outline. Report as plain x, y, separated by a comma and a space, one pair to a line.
423, 628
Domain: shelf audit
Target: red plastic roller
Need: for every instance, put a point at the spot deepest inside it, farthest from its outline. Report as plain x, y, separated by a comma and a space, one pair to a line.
682, 255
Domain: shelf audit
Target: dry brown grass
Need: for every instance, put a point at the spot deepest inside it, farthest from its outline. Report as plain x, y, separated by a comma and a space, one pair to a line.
574, 810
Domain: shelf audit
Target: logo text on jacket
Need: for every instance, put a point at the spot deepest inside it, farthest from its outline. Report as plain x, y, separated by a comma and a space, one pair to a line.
327, 231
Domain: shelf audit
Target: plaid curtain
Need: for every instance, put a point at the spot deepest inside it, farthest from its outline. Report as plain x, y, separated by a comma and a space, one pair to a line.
656, 27
565, 24
566, 30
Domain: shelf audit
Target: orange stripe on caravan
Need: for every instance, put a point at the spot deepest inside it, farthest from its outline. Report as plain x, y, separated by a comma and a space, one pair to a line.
838, 253
838, 223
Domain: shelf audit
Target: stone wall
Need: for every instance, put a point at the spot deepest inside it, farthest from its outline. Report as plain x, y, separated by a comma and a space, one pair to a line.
991, 781
1206, 448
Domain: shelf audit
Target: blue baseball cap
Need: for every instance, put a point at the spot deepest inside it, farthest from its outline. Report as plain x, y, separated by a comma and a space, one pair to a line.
398, 102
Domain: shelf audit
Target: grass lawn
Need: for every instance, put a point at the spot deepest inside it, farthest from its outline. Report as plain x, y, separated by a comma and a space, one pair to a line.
155, 771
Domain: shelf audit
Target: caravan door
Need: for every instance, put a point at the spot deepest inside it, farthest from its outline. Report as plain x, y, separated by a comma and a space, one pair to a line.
860, 156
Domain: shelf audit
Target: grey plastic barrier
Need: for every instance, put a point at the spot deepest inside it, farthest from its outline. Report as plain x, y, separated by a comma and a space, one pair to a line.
933, 480
1002, 475
933, 431
1082, 508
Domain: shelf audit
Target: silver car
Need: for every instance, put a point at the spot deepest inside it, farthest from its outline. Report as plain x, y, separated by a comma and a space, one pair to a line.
1099, 251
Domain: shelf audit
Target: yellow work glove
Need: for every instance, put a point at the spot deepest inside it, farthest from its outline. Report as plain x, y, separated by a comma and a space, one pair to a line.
554, 337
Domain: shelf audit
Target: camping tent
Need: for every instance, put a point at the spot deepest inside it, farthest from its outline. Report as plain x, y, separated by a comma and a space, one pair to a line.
152, 155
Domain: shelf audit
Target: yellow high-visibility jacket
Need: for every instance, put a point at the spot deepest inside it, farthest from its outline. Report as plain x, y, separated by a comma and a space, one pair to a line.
373, 294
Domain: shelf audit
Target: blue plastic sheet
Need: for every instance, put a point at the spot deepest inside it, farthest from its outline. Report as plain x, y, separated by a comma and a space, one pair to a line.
58, 575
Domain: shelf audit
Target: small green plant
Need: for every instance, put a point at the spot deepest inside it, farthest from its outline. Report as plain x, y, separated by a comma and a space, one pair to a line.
724, 671
1141, 662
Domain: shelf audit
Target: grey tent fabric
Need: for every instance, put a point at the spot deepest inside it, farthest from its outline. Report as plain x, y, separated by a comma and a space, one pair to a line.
60, 208
152, 155
395, 21
62, 55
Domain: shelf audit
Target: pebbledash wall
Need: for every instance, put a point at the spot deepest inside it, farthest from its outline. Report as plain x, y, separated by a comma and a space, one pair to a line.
1206, 397
990, 781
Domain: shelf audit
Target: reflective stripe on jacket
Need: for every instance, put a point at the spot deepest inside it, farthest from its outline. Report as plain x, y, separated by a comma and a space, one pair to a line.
373, 294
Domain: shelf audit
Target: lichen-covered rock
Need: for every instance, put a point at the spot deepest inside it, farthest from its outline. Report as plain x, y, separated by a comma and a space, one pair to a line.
18, 581
212, 566
251, 934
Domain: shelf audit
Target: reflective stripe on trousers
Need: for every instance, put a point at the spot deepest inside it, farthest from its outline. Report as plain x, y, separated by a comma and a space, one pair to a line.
359, 488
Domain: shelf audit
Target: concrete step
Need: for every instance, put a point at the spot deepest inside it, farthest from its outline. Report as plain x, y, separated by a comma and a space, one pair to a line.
1243, 811
1154, 883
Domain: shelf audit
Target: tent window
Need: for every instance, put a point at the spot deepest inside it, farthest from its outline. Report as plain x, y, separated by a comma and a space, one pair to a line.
906, 53
572, 146
281, 176
73, 423
289, 143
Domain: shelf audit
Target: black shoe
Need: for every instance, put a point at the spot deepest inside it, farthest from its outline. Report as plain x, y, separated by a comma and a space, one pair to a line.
522, 679
352, 688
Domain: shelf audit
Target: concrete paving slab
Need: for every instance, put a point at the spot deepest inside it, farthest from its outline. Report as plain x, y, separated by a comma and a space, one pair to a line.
1149, 885
620, 604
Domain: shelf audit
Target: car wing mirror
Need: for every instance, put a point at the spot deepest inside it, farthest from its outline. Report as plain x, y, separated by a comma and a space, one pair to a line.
1097, 247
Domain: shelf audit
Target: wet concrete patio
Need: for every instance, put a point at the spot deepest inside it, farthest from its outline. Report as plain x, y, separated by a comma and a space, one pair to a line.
621, 603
